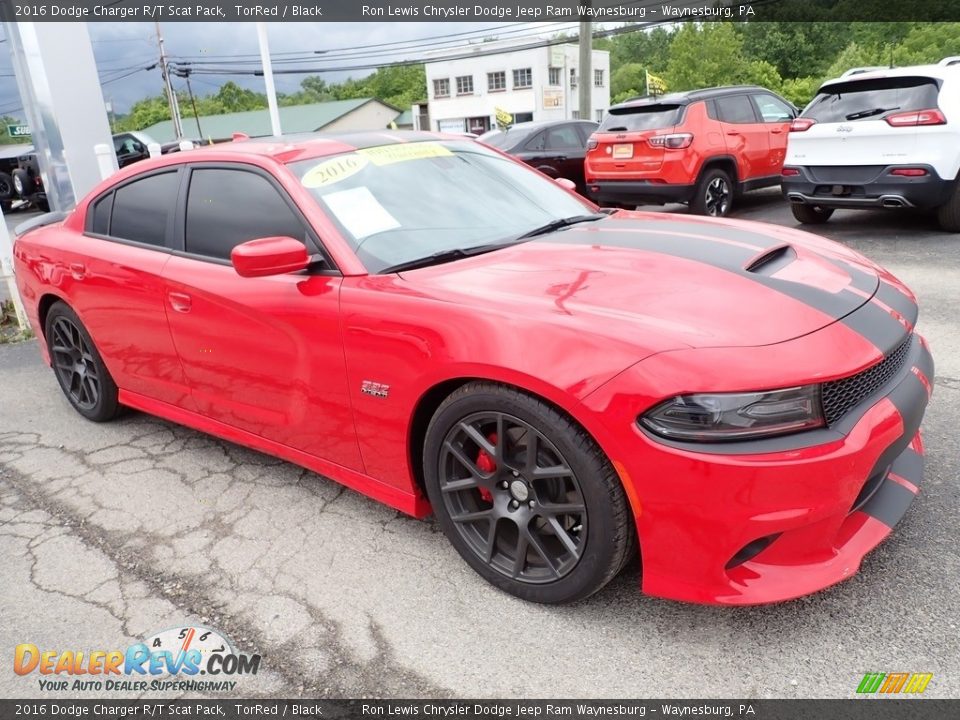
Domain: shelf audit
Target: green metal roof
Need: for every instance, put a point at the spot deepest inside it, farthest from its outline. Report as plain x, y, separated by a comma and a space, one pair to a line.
404, 118
256, 123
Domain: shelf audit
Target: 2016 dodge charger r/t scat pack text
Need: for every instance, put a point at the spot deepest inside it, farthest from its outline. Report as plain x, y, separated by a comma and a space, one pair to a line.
444, 329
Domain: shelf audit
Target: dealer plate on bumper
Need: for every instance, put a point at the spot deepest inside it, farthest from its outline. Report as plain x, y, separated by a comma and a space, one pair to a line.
622, 151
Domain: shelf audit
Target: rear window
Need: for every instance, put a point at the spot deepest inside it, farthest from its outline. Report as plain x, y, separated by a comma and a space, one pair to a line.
872, 99
646, 117
506, 139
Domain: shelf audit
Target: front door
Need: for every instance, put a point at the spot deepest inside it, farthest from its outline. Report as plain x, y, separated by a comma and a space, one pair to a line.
264, 355
746, 137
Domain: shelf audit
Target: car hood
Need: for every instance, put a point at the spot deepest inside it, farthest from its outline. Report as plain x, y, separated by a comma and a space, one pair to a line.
664, 282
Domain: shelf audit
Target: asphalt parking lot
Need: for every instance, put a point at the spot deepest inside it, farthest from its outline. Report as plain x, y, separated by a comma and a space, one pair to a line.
109, 533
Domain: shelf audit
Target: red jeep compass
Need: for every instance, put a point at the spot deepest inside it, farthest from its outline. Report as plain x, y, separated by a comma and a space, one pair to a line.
701, 147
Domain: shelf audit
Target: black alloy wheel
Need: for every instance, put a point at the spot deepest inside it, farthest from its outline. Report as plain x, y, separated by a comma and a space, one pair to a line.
714, 194
80, 371
525, 495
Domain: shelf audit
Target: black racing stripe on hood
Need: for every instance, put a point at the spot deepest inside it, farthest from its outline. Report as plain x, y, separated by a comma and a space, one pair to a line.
719, 230
859, 278
896, 300
715, 253
877, 326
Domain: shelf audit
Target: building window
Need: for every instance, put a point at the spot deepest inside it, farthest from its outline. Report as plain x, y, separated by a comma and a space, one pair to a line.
576, 114
465, 85
573, 77
600, 115
441, 88
496, 81
522, 78
555, 78
598, 78
522, 118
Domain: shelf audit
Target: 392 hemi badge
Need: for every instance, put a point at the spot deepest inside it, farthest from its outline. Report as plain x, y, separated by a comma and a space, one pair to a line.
369, 387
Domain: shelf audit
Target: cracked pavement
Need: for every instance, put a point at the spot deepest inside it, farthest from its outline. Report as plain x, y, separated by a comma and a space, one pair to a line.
111, 532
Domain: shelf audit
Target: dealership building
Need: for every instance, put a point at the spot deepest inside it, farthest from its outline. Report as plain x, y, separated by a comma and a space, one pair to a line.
531, 83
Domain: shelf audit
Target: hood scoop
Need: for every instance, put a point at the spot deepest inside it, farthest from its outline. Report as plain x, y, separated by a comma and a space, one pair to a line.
769, 262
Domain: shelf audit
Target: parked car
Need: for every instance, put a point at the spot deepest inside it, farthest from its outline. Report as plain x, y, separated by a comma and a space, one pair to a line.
555, 147
879, 138
440, 327
130, 147
9, 155
702, 147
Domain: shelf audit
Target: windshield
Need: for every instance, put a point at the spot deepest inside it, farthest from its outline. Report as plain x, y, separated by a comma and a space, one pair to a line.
648, 117
399, 203
871, 99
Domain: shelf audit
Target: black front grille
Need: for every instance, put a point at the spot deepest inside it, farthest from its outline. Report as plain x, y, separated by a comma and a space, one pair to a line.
839, 396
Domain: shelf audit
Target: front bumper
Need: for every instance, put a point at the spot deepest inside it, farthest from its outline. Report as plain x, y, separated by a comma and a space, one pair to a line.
865, 187
767, 521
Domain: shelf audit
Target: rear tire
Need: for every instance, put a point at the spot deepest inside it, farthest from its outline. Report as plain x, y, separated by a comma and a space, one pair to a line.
714, 194
80, 370
811, 214
6, 186
948, 214
560, 530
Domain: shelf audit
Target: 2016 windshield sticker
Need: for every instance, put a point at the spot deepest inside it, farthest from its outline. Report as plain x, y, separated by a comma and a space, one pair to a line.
334, 170
389, 154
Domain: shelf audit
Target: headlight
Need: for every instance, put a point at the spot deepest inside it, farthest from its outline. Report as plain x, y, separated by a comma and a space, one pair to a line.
708, 417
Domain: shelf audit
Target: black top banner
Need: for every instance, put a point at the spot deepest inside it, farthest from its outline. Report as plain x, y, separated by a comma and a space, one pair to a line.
640, 11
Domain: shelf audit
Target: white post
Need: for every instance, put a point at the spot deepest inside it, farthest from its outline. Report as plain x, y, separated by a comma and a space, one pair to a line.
105, 161
186, 145
154, 149
268, 78
6, 272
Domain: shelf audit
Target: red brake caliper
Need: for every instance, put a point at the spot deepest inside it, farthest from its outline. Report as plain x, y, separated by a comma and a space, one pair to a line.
486, 464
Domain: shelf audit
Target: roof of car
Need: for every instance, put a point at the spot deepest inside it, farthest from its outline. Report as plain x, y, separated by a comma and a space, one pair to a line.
689, 96
948, 67
289, 148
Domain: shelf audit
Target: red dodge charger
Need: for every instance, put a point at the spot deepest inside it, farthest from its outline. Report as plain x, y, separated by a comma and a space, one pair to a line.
444, 329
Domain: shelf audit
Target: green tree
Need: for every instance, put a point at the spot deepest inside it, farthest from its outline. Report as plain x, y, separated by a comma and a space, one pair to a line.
5, 138
705, 55
628, 81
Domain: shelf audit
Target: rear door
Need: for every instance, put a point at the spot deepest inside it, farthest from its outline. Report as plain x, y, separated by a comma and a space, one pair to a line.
558, 151
118, 290
745, 135
264, 355
623, 147
850, 124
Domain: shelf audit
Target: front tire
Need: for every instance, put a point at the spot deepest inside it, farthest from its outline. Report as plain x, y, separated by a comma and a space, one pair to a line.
810, 214
714, 194
525, 495
83, 377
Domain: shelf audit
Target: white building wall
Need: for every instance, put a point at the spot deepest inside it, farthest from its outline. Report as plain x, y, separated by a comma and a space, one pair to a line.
542, 101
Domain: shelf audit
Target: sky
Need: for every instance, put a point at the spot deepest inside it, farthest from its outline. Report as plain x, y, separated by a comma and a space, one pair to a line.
126, 46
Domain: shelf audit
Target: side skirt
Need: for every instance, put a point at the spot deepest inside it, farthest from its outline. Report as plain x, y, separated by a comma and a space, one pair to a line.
396, 498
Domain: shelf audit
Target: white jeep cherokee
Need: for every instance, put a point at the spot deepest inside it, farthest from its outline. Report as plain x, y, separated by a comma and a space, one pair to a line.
873, 137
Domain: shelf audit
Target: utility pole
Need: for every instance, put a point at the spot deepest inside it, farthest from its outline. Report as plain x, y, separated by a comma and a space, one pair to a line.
171, 96
585, 85
268, 79
193, 102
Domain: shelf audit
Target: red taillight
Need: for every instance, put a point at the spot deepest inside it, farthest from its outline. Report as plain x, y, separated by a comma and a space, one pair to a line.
802, 124
789, 171
676, 141
909, 172
591, 143
916, 117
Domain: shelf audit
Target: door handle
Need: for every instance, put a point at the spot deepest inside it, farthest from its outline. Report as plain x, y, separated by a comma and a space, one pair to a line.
776, 131
732, 132
181, 302
560, 157
78, 270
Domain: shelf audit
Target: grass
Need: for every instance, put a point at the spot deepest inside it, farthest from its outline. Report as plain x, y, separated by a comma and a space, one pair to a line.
10, 331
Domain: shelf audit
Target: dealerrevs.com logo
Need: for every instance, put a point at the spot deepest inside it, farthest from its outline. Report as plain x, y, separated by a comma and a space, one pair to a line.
170, 660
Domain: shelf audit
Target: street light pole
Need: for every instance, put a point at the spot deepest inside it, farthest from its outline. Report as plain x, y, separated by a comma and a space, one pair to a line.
171, 96
586, 67
268, 78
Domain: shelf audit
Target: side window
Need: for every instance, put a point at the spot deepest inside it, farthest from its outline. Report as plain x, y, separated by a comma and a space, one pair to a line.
562, 138
711, 106
536, 142
142, 208
735, 109
229, 207
773, 110
99, 213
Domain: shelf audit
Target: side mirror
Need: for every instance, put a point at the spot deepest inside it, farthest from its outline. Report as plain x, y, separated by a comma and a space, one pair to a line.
565, 183
269, 256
